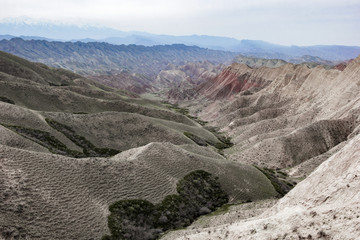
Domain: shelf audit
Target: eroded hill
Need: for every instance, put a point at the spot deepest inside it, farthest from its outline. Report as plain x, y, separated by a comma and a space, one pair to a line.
70, 147
300, 120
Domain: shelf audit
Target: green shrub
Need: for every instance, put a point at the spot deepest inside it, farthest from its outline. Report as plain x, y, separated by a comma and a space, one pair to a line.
198, 193
133, 219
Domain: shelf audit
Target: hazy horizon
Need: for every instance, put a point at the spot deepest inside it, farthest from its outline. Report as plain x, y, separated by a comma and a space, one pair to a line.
305, 23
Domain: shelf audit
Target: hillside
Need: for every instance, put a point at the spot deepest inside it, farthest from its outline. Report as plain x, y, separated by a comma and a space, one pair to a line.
98, 58
306, 123
287, 109
323, 206
70, 147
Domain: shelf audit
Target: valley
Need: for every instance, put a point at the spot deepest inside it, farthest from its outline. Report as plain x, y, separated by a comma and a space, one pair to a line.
85, 126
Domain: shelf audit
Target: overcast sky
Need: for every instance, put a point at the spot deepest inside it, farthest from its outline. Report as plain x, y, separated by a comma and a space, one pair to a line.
288, 22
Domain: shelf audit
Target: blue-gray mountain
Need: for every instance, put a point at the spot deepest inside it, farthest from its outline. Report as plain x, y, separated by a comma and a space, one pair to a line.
102, 58
24, 27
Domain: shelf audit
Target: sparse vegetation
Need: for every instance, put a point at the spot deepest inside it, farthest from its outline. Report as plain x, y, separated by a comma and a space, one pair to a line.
198, 140
278, 180
89, 149
45, 139
7, 100
224, 142
198, 193
55, 146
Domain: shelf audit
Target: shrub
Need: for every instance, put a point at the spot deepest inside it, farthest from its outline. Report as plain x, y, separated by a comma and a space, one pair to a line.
199, 193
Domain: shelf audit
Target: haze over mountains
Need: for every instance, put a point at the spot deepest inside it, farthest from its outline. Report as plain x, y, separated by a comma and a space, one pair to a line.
29, 28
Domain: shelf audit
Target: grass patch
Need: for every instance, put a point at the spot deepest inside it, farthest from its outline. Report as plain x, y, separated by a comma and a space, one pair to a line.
199, 193
89, 149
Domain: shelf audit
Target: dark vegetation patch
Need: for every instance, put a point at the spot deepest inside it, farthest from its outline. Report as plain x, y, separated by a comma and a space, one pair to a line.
45, 139
89, 149
57, 147
58, 84
80, 113
198, 140
7, 100
224, 142
279, 180
199, 193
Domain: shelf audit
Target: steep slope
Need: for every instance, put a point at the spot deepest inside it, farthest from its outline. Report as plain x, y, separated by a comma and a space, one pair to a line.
323, 206
178, 82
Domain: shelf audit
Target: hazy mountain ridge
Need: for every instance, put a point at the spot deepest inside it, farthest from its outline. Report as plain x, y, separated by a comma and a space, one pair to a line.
30, 27
103, 58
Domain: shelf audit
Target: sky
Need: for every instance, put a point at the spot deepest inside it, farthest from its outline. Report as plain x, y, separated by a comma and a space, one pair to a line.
286, 22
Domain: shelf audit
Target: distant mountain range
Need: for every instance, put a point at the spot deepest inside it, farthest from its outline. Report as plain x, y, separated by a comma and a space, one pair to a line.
27, 28
97, 58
